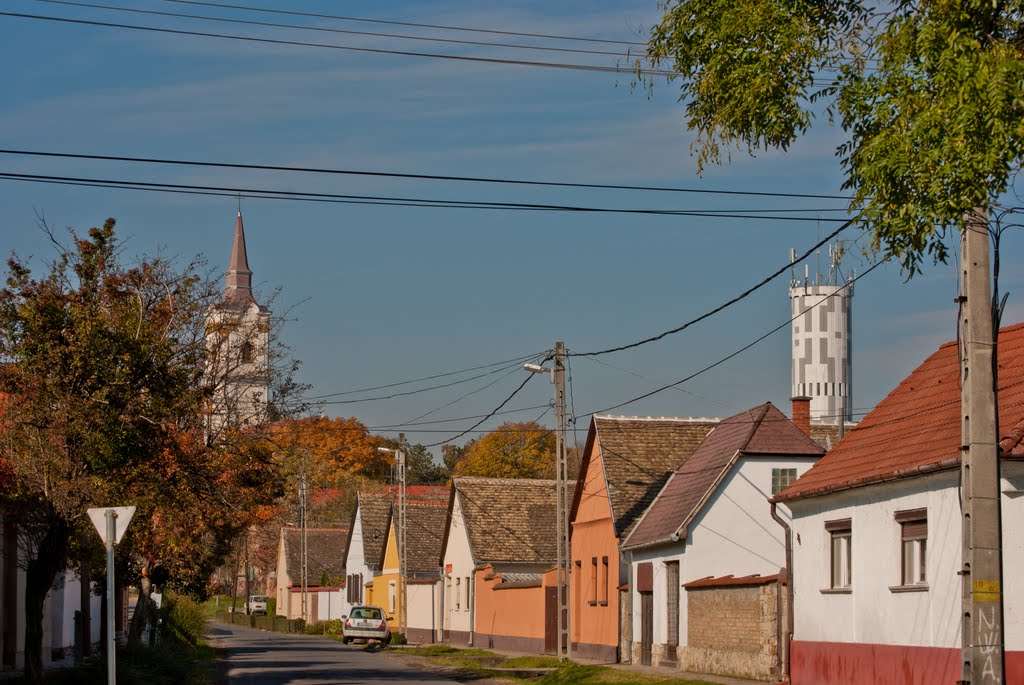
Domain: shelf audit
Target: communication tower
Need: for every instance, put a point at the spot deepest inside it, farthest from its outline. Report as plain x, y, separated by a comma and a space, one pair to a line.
822, 353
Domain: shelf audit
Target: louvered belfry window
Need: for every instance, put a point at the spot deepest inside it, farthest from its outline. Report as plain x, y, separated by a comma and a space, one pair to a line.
913, 546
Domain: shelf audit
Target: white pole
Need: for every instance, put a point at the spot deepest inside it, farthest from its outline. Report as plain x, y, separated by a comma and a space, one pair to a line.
111, 516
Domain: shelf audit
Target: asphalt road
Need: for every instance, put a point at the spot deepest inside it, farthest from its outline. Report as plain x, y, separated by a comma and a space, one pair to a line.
256, 657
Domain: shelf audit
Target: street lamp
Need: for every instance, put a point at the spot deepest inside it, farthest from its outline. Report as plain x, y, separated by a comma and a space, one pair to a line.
400, 531
561, 495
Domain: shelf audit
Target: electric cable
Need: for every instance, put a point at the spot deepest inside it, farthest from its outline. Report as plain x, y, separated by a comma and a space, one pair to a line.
489, 415
348, 48
324, 29
746, 293
421, 177
407, 23
735, 353
516, 360
397, 201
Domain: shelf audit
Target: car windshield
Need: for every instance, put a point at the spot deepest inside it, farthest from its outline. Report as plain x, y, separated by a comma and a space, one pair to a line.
258, 598
366, 612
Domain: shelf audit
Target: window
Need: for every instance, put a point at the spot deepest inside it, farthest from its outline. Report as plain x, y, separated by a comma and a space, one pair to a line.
914, 546
781, 478
458, 592
603, 597
392, 593
841, 539
465, 607
593, 581
245, 354
672, 601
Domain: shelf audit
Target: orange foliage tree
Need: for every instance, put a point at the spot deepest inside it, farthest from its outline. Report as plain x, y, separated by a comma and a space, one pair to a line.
513, 450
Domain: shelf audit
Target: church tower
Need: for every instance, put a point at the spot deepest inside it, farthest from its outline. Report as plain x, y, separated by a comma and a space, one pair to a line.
238, 347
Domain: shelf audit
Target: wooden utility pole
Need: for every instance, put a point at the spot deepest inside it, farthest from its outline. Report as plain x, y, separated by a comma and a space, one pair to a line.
562, 507
982, 597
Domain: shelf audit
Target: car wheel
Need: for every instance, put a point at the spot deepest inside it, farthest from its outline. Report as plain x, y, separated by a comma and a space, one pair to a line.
346, 640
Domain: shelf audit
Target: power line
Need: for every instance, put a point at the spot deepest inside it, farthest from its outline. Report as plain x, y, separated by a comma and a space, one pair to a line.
746, 293
462, 397
324, 29
421, 177
516, 360
733, 354
348, 48
409, 23
489, 415
461, 418
418, 391
270, 194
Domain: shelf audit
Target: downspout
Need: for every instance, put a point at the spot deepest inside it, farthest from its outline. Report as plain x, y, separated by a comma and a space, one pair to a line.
787, 634
472, 606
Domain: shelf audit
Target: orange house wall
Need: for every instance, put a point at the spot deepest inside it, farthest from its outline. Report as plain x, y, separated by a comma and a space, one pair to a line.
514, 612
595, 627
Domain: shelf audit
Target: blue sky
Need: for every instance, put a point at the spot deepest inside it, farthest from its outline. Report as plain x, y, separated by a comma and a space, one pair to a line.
386, 294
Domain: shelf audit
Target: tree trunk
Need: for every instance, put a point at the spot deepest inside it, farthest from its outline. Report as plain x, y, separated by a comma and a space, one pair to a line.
143, 608
50, 557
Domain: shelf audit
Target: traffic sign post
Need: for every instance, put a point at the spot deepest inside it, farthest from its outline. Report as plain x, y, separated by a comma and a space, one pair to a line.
111, 523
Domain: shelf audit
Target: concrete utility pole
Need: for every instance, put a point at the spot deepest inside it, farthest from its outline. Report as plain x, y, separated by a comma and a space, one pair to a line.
982, 597
562, 506
400, 531
303, 541
403, 568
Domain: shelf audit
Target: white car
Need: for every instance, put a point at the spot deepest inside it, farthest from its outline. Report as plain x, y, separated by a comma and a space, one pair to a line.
257, 605
366, 622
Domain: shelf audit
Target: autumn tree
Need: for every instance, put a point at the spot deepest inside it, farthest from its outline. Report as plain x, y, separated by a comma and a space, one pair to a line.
103, 371
514, 450
930, 95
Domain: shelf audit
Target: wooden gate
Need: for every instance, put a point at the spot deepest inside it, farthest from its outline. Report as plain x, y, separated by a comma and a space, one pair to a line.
550, 620
646, 627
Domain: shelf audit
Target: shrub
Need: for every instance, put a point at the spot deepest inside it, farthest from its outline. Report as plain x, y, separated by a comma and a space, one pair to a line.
184, 620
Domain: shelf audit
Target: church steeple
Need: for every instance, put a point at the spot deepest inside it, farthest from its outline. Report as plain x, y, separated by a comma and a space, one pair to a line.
238, 288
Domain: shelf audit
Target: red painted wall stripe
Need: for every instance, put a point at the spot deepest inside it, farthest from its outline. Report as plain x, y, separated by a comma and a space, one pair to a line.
849, 663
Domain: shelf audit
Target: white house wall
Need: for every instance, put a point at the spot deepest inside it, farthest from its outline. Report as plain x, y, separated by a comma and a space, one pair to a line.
459, 559
871, 612
424, 602
734, 534
355, 562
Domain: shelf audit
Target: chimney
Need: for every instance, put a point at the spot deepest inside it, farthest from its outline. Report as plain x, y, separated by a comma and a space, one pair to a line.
802, 414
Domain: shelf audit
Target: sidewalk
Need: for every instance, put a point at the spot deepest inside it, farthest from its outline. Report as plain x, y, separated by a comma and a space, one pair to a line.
676, 673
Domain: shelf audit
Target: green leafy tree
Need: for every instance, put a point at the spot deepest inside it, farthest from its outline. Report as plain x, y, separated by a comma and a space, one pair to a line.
514, 450
930, 94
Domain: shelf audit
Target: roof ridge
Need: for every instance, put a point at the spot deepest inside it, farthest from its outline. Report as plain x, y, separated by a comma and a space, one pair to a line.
486, 479
680, 419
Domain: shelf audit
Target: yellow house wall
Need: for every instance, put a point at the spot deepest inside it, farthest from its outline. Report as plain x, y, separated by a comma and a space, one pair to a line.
379, 594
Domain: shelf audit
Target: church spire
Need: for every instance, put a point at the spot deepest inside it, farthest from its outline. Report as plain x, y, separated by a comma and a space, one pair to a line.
238, 288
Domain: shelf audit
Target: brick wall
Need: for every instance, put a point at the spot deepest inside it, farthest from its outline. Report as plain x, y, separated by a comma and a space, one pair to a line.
731, 630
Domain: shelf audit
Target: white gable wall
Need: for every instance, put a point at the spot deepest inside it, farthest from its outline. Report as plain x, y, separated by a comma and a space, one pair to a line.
458, 569
355, 562
733, 534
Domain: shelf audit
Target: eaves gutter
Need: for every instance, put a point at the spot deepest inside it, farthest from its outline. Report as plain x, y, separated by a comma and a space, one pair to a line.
870, 480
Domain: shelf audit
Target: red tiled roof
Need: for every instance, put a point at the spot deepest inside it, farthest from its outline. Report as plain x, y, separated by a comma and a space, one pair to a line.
730, 581
761, 431
917, 427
